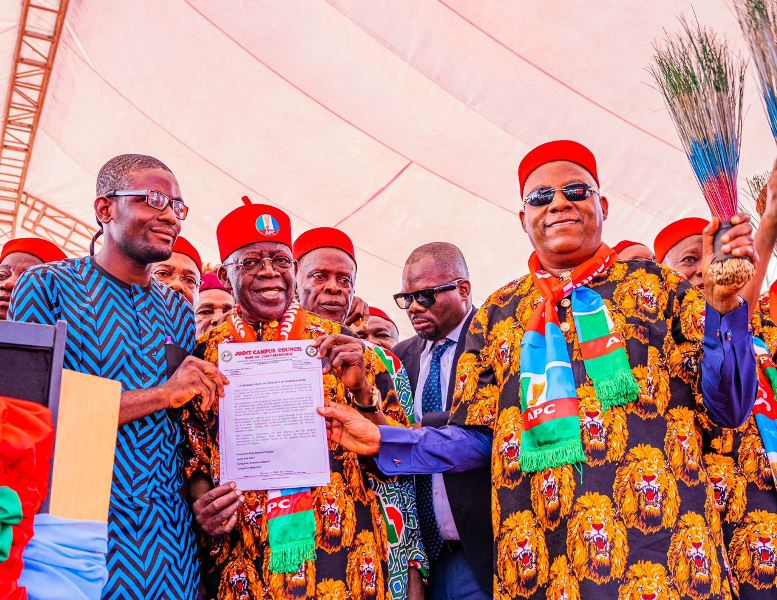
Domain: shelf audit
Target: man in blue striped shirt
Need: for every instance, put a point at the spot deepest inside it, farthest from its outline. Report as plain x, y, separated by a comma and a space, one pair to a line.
124, 325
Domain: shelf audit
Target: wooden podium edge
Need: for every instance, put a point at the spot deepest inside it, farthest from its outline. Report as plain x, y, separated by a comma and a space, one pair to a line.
85, 446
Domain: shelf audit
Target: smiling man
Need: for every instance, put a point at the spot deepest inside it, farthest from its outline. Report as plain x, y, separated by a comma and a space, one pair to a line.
125, 325
17, 256
574, 384
346, 544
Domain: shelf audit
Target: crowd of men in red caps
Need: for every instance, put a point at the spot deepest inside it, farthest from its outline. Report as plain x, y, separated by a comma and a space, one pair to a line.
434, 533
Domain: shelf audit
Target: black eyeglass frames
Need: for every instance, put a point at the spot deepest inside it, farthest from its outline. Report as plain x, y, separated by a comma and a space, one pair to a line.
426, 297
156, 200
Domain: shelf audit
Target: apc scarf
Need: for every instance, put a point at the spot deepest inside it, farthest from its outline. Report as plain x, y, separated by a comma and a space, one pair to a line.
551, 434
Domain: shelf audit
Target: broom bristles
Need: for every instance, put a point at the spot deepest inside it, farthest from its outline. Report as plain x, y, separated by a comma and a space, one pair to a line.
758, 21
702, 84
753, 199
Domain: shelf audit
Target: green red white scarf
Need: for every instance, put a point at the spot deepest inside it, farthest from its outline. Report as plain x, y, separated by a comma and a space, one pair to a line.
765, 408
551, 434
291, 522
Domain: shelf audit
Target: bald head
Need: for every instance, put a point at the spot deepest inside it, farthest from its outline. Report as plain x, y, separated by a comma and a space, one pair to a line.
448, 258
115, 174
430, 266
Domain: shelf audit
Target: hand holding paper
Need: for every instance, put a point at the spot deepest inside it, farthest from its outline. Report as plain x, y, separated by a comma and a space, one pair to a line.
195, 377
216, 510
346, 360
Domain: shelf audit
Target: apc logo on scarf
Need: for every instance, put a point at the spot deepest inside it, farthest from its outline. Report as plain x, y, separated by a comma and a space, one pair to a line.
267, 225
287, 505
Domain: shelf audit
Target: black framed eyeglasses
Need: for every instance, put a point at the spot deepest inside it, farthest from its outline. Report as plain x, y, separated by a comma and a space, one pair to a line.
156, 200
426, 297
574, 192
254, 264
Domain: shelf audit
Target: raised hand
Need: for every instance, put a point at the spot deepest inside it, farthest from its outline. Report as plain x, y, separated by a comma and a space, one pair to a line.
359, 310
737, 241
346, 360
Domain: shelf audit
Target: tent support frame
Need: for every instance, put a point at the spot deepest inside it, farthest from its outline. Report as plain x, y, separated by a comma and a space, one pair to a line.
40, 29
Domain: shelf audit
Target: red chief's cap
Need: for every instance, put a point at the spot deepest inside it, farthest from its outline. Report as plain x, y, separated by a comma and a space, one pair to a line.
322, 237
622, 245
210, 281
553, 151
184, 246
675, 232
44, 250
250, 224
376, 312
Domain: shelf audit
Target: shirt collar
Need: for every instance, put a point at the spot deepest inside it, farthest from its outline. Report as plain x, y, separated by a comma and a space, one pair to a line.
453, 335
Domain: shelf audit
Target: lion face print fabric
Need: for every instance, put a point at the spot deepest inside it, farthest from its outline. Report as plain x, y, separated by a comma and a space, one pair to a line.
638, 517
744, 494
351, 542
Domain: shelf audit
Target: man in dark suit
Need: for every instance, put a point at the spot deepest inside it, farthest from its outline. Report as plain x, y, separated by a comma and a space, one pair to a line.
454, 509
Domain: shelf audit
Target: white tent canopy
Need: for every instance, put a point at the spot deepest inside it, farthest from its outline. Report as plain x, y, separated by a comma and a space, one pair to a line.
399, 121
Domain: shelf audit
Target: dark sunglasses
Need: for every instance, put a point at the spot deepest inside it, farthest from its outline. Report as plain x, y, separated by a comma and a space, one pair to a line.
574, 192
425, 297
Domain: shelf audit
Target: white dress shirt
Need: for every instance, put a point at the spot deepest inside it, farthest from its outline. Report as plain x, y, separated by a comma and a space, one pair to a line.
442, 509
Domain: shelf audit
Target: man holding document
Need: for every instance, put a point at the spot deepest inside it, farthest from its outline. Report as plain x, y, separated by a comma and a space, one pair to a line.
283, 512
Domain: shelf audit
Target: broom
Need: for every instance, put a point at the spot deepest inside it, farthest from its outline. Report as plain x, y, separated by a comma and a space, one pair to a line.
702, 86
753, 201
759, 28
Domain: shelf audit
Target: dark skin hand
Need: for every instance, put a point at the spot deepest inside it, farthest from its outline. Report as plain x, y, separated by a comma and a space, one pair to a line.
738, 241
216, 509
192, 378
359, 310
347, 427
765, 239
346, 361
415, 585
195, 377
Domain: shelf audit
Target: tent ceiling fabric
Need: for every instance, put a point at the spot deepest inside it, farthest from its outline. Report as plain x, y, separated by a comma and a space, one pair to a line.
401, 122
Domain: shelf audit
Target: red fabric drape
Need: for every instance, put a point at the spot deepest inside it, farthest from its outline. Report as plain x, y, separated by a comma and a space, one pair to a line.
26, 446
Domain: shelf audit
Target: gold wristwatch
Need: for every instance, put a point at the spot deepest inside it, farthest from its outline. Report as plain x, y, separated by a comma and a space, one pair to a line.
374, 406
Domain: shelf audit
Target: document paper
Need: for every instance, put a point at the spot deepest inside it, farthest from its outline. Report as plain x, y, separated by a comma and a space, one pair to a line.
270, 435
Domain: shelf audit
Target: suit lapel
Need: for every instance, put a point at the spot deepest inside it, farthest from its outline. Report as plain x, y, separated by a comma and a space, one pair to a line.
459, 351
413, 366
